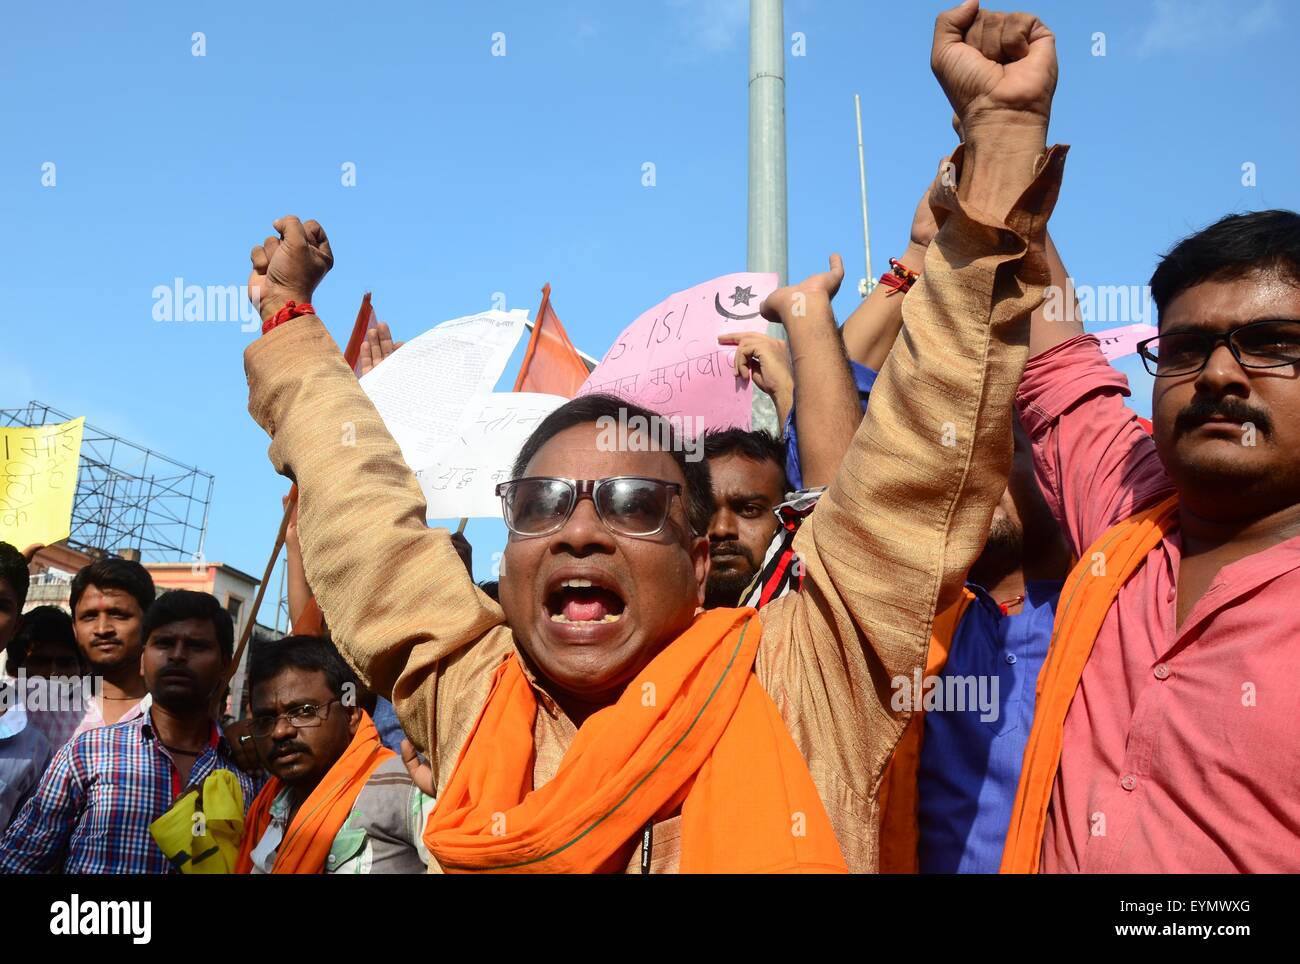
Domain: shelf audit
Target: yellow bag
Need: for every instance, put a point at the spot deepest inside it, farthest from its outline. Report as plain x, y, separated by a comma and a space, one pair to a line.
200, 833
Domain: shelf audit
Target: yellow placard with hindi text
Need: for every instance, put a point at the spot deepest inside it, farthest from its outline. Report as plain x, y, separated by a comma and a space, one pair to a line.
38, 477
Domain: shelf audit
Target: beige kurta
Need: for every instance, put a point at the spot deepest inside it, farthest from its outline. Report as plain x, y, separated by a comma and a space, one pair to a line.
888, 544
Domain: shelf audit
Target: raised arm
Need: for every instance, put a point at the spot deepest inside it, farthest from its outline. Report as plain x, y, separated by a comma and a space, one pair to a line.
1095, 463
870, 331
826, 406
891, 541
394, 592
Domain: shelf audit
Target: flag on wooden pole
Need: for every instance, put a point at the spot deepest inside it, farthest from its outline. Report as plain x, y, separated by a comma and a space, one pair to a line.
552, 366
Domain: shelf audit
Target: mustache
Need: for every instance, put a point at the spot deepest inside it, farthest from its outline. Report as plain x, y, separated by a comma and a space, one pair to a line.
731, 548
293, 746
177, 671
1202, 408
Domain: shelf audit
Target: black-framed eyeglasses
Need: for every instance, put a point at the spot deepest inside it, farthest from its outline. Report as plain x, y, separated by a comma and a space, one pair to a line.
1258, 344
300, 718
630, 505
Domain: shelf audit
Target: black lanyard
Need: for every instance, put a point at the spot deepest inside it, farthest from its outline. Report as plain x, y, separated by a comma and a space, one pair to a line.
647, 842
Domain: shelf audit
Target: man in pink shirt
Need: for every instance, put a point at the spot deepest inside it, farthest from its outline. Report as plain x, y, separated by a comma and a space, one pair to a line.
109, 598
1178, 749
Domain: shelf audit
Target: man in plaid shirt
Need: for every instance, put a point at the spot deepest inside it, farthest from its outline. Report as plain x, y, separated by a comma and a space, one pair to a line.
92, 810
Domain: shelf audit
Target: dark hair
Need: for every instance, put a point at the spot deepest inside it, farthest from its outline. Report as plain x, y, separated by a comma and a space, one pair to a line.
491, 587
757, 445
269, 657
585, 409
13, 570
41, 624
124, 574
180, 604
1231, 247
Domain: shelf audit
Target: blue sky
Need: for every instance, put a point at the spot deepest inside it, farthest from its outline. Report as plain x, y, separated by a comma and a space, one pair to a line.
478, 174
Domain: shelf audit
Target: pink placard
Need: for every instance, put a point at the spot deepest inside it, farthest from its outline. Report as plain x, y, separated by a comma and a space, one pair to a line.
1121, 341
669, 359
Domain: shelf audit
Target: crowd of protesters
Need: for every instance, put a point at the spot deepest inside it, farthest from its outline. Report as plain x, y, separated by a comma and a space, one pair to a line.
965, 613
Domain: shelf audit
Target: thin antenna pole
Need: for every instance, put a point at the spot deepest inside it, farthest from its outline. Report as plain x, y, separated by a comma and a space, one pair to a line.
869, 281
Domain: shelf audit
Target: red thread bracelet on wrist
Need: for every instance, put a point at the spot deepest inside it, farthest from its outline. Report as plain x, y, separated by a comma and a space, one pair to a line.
291, 309
899, 278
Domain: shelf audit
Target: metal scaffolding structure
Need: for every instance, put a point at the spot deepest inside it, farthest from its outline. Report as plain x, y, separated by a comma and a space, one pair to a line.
129, 496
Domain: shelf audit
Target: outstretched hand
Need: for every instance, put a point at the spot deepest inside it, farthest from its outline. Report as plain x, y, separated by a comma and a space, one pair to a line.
764, 359
377, 346
288, 267
785, 306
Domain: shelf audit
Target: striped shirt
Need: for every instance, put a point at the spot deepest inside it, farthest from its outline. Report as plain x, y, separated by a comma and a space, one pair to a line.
92, 810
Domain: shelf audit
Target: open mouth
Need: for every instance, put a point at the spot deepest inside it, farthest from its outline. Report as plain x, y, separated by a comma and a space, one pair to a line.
578, 600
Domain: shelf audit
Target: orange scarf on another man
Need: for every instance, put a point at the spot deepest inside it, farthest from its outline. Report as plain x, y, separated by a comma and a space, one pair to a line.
1088, 595
900, 830
310, 834
695, 730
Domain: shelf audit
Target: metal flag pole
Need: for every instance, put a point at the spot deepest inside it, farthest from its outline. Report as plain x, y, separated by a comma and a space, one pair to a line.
767, 190
869, 282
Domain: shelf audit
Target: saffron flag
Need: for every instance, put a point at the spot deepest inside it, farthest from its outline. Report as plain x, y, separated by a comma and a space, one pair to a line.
365, 321
552, 366
38, 477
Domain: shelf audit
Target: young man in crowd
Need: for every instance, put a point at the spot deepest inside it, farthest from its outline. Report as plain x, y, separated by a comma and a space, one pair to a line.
45, 645
747, 475
597, 658
45, 657
24, 750
1163, 739
93, 809
109, 599
339, 802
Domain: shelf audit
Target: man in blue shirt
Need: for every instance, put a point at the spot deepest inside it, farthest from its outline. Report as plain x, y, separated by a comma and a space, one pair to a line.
971, 755
93, 809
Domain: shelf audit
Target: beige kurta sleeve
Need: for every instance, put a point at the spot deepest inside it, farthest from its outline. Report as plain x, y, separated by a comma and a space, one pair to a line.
399, 603
890, 542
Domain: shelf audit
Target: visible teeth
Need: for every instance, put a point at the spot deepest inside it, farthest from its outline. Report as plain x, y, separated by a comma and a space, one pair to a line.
576, 584
607, 618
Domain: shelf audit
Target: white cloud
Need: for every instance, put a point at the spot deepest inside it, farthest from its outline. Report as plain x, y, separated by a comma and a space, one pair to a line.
1182, 26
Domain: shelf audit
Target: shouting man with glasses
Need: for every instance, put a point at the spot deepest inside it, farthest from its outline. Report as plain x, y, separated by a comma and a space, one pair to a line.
1163, 738
600, 719
338, 801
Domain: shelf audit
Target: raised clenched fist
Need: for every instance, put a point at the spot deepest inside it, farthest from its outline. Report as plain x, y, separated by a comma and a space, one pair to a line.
996, 68
288, 268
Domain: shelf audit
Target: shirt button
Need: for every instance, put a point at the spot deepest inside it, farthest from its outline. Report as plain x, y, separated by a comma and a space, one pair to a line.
1162, 670
1173, 594
1011, 658
332, 860
1129, 782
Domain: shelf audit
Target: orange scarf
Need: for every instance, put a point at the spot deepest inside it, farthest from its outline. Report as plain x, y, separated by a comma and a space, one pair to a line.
694, 730
1088, 595
900, 833
310, 834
